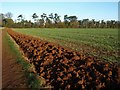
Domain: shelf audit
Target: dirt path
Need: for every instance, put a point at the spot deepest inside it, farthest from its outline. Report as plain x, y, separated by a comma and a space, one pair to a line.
0, 59
12, 73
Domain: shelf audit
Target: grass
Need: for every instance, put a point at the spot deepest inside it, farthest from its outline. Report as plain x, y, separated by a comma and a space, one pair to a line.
105, 41
32, 80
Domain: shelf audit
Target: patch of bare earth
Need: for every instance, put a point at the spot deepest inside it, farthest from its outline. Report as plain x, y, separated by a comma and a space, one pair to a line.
12, 72
0, 58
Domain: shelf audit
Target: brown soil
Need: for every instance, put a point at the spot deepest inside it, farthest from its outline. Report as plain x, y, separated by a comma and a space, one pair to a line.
65, 69
12, 72
0, 59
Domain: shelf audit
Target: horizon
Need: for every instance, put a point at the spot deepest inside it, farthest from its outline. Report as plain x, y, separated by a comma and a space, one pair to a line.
83, 10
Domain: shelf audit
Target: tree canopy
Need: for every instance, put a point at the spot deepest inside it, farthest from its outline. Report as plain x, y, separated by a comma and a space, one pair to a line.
53, 20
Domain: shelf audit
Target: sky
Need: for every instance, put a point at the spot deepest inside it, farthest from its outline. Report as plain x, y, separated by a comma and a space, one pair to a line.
59, 0
83, 10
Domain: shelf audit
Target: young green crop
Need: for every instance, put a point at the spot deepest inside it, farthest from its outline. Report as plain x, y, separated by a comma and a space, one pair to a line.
105, 40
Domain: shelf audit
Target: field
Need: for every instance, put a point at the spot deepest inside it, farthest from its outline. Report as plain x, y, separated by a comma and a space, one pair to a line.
102, 43
60, 46
63, 68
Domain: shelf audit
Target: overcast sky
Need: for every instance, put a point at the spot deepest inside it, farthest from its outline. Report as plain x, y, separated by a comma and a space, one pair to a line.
83, 10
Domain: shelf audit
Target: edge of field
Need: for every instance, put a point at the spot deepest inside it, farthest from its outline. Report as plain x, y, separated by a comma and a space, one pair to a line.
33, 80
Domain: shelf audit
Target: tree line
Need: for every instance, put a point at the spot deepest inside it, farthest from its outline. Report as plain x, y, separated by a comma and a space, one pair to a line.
54, 21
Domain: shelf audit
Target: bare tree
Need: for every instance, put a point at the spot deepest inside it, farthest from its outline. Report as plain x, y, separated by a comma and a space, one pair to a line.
9, 15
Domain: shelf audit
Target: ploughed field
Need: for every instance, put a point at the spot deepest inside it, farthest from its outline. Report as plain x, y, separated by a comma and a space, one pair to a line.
63, 68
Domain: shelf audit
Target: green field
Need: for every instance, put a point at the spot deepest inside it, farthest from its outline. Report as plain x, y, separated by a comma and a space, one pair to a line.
102, 43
